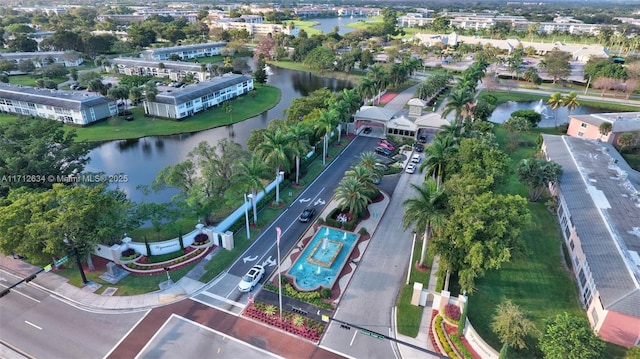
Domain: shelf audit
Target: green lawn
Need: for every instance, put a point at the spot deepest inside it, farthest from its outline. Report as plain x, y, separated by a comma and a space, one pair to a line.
28, 80
409, 316
243, 107
130, 285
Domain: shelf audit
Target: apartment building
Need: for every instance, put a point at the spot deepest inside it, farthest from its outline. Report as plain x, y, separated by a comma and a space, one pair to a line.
185, 102
78, 108
43, 58
184, 51
588, 126
174, 70
599, 215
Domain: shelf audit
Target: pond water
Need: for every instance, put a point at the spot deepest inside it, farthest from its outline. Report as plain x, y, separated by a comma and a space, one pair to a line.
328, 24
549, 116
142, 159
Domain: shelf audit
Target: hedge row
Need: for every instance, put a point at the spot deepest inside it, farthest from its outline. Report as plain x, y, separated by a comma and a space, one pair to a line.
442, 337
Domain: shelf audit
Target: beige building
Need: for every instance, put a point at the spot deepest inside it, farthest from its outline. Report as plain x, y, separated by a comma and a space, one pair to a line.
599, 216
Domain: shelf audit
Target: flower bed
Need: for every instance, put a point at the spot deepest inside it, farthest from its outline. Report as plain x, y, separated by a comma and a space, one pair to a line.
306, 328
141, 267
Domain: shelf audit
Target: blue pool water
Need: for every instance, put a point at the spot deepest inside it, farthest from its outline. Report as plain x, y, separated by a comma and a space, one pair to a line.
323, 259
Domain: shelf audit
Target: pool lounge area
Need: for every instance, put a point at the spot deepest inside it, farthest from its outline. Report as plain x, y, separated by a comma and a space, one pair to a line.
323, 259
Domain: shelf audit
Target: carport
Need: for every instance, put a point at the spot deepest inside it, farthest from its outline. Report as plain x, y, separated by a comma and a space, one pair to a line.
374, 117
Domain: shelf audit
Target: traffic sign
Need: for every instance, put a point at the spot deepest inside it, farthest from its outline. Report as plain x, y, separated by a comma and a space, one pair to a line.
47, 268
61, 261
371, 334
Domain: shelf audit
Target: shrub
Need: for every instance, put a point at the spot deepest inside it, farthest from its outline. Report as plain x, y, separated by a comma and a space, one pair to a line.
363, 231
298, 320
270, 310
325, 293
452, 311
128, 253
462, 349
165, 257
442, 337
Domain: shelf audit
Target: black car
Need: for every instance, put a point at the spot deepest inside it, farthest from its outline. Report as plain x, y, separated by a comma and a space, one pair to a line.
367, 130
418, 147
422, 139
307, 214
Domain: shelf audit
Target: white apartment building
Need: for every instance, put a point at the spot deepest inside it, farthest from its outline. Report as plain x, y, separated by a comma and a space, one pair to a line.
185, 102
174, 70
184, 51
78, 108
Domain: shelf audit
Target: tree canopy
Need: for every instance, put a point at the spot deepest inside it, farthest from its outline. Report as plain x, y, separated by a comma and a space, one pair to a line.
38, 147
569, 337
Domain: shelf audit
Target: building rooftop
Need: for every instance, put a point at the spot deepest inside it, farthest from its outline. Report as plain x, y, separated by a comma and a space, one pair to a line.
66, 99
621, 121
172, 65
173, 49
200, 89
601, 194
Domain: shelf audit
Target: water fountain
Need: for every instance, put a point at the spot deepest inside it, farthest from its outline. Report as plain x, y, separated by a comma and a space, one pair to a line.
323, 258
542, 109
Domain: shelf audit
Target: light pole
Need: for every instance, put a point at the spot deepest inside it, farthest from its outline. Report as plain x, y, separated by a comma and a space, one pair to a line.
278, 180
279, 232
246, 216
413, 245
254, 207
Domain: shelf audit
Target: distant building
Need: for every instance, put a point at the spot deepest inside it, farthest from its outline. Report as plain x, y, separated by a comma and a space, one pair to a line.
174, 70
184, 51
588, 126
185, 102
599, 216
254, 26
40, 59
78, 108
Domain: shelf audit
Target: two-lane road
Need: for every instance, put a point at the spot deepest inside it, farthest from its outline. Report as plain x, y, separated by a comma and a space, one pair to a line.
42, 326
223, 292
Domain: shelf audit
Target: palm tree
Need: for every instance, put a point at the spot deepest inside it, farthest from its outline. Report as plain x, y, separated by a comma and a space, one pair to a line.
276, 149
436, 161
252, 174
325, 124
369, 160
351, 196
456, 102
570, 101
379, 78
365, 177
300, 133
555, 101
424, 211
366, 88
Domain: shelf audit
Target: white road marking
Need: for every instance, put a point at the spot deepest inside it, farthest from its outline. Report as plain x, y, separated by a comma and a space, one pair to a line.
355, 332
33, 325
126, 335
223, 299
14, 290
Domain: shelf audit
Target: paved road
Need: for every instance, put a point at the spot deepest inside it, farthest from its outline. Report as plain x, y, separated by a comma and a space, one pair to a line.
223, 291
40, 325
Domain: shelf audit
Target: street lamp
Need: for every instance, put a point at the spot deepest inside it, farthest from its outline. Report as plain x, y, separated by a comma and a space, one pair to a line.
413, 245
246, 216
278, 180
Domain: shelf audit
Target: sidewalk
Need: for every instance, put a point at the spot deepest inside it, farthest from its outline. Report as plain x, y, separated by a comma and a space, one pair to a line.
84, 297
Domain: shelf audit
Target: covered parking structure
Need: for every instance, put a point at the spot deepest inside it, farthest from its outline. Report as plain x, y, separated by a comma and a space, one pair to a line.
387, 120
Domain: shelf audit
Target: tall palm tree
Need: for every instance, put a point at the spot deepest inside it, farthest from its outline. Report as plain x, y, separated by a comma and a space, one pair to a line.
366, 88
276, 149
300, 133
424, 211
252, 174
570, 101
555, 101
457, 102
351, 196
353, 98
379, 77
325, 123
435, 163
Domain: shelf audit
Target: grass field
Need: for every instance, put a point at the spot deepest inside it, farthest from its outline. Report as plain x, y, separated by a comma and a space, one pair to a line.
28, 80
243, 107
409, 316
307, 26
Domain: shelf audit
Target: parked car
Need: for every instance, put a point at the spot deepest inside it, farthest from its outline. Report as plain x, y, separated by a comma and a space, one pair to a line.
422, 139
307, 214
418, 147
367, 130
415, 158
389, 143
252, 278
386, 145
382, 151
411, 168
